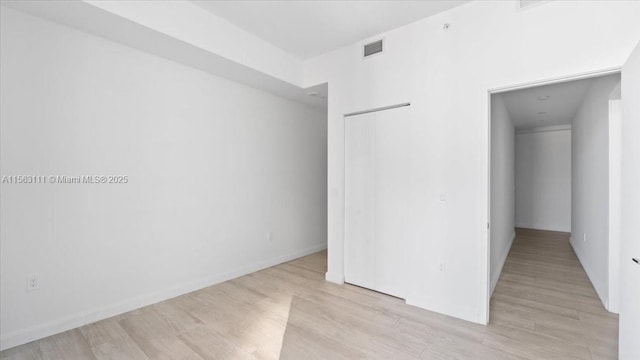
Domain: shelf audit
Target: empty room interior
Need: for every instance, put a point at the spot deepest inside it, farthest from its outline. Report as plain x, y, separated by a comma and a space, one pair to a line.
437, 179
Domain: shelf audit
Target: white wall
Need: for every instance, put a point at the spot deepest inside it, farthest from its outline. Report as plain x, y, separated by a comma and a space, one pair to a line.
590, 174
630, 211
214, 167
502, 186
188, 22
183, 32
615, 206
446, 74
543, 179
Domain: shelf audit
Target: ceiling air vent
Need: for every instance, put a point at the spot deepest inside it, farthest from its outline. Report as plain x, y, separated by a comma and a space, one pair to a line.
373, 48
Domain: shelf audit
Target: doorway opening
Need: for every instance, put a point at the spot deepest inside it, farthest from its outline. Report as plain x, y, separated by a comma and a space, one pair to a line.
554, 202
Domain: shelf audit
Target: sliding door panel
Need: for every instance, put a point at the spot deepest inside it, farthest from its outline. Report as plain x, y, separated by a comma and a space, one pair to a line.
376, 183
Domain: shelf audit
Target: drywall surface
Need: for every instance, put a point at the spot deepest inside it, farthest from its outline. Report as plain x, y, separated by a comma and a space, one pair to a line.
615, 184
446, 73
223, 179
629, 347
502, 186
543, 179
184, 33
188, 22
590, 183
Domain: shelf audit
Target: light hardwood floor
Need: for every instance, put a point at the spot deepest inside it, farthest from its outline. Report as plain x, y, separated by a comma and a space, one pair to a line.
543, 308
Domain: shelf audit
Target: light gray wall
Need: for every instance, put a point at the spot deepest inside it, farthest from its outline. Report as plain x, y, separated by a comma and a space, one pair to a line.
543, 179
223, 179
502, 186
590, 205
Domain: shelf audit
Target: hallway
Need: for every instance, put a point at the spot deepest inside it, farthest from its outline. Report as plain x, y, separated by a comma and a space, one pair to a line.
544, 291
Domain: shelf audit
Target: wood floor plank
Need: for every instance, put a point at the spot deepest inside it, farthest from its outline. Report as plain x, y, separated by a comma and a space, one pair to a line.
156, 338
208, 344
544, 291
30, 351
108, 340
543, 307
68, 345
539, 346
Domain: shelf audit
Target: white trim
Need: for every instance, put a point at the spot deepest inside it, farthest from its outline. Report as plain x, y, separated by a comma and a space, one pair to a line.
545, 228
503, 259
519, 6
381, 108
580, 76
486, 281
540, 129
447, 308
615, 185
334, 278
588, 270
24, 336
502, 89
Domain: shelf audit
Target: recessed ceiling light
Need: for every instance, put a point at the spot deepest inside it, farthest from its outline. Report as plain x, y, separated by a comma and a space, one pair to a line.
543, 98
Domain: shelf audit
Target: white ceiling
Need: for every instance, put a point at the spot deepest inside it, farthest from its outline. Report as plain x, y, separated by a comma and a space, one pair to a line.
310, 28
548, 105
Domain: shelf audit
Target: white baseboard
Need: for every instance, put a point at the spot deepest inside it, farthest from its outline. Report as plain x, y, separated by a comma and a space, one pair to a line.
447, 308
503, 259
334, 278
590, 274
24, 336
542, 227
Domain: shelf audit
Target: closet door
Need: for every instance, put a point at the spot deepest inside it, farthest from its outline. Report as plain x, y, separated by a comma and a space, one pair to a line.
376, 182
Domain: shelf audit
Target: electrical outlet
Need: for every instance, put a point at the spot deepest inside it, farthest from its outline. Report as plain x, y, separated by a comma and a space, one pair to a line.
441, 267
33, 282
269, 237
584, 237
